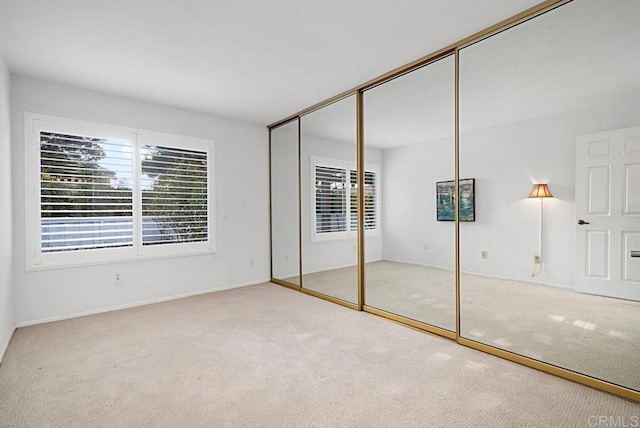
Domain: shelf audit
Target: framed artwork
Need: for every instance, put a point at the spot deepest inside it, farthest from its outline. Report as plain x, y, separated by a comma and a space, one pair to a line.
445, 200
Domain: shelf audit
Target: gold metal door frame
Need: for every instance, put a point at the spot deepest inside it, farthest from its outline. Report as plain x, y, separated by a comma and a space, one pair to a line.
360, 196
272, 279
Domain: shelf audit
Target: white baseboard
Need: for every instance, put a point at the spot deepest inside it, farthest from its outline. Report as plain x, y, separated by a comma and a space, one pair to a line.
485, 275
418, 264
138, 303
6, 344
337, 267
309, 272
287, 275
529, 280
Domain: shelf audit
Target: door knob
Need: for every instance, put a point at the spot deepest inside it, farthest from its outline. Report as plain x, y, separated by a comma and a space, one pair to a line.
581, 222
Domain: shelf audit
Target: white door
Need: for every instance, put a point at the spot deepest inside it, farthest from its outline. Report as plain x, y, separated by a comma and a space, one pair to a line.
608, 214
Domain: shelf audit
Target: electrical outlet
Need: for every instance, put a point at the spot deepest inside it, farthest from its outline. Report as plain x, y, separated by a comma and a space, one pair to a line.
252, 262
484, 254
537, 260
117, 279
286, 259
426, 245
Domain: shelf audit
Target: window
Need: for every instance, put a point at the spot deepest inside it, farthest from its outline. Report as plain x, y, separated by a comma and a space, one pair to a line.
334, 199
174, 195
85, 202
370, 200
104, 193
331, 201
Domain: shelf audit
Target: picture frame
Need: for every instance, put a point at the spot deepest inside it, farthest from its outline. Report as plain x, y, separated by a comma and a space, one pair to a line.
445, 200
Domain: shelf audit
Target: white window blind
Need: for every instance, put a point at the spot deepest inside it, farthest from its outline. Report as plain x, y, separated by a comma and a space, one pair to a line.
331, 202
370, 200
335, 210
174, 195
85, 198
106, 193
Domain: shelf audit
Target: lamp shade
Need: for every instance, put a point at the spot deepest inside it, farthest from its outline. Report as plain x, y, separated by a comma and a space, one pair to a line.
540, 191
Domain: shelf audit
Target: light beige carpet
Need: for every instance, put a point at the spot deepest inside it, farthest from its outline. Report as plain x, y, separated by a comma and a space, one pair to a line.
594, 335
268, 356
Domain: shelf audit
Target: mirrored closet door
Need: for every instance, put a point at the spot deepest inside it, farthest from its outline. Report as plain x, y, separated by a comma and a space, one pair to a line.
285, 230
408, 195
329, 211
550, 131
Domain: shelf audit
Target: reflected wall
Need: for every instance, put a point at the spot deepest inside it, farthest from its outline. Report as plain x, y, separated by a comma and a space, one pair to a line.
285, 230
555, 100
409, 147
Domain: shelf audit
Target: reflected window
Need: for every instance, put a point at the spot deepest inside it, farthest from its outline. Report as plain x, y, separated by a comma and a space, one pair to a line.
335, 198
370, 200
330, 207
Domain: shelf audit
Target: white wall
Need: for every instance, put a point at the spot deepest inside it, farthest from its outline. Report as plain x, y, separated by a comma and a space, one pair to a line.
242, 209
505, 161
326, 255
7, 319
409, 204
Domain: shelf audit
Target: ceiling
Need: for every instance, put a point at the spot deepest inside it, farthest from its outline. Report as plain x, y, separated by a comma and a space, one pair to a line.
251, 60
576, 56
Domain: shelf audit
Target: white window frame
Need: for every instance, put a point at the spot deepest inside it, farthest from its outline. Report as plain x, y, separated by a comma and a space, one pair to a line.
37, 260
349, 233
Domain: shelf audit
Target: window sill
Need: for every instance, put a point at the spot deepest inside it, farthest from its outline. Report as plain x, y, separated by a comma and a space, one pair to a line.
128, 259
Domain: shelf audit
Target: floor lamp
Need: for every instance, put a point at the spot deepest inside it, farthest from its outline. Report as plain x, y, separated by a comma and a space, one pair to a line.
539, 191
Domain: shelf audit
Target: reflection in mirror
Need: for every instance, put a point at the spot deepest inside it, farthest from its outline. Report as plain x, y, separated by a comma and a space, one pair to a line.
328, 179
409, 147
556, 101
285, 229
